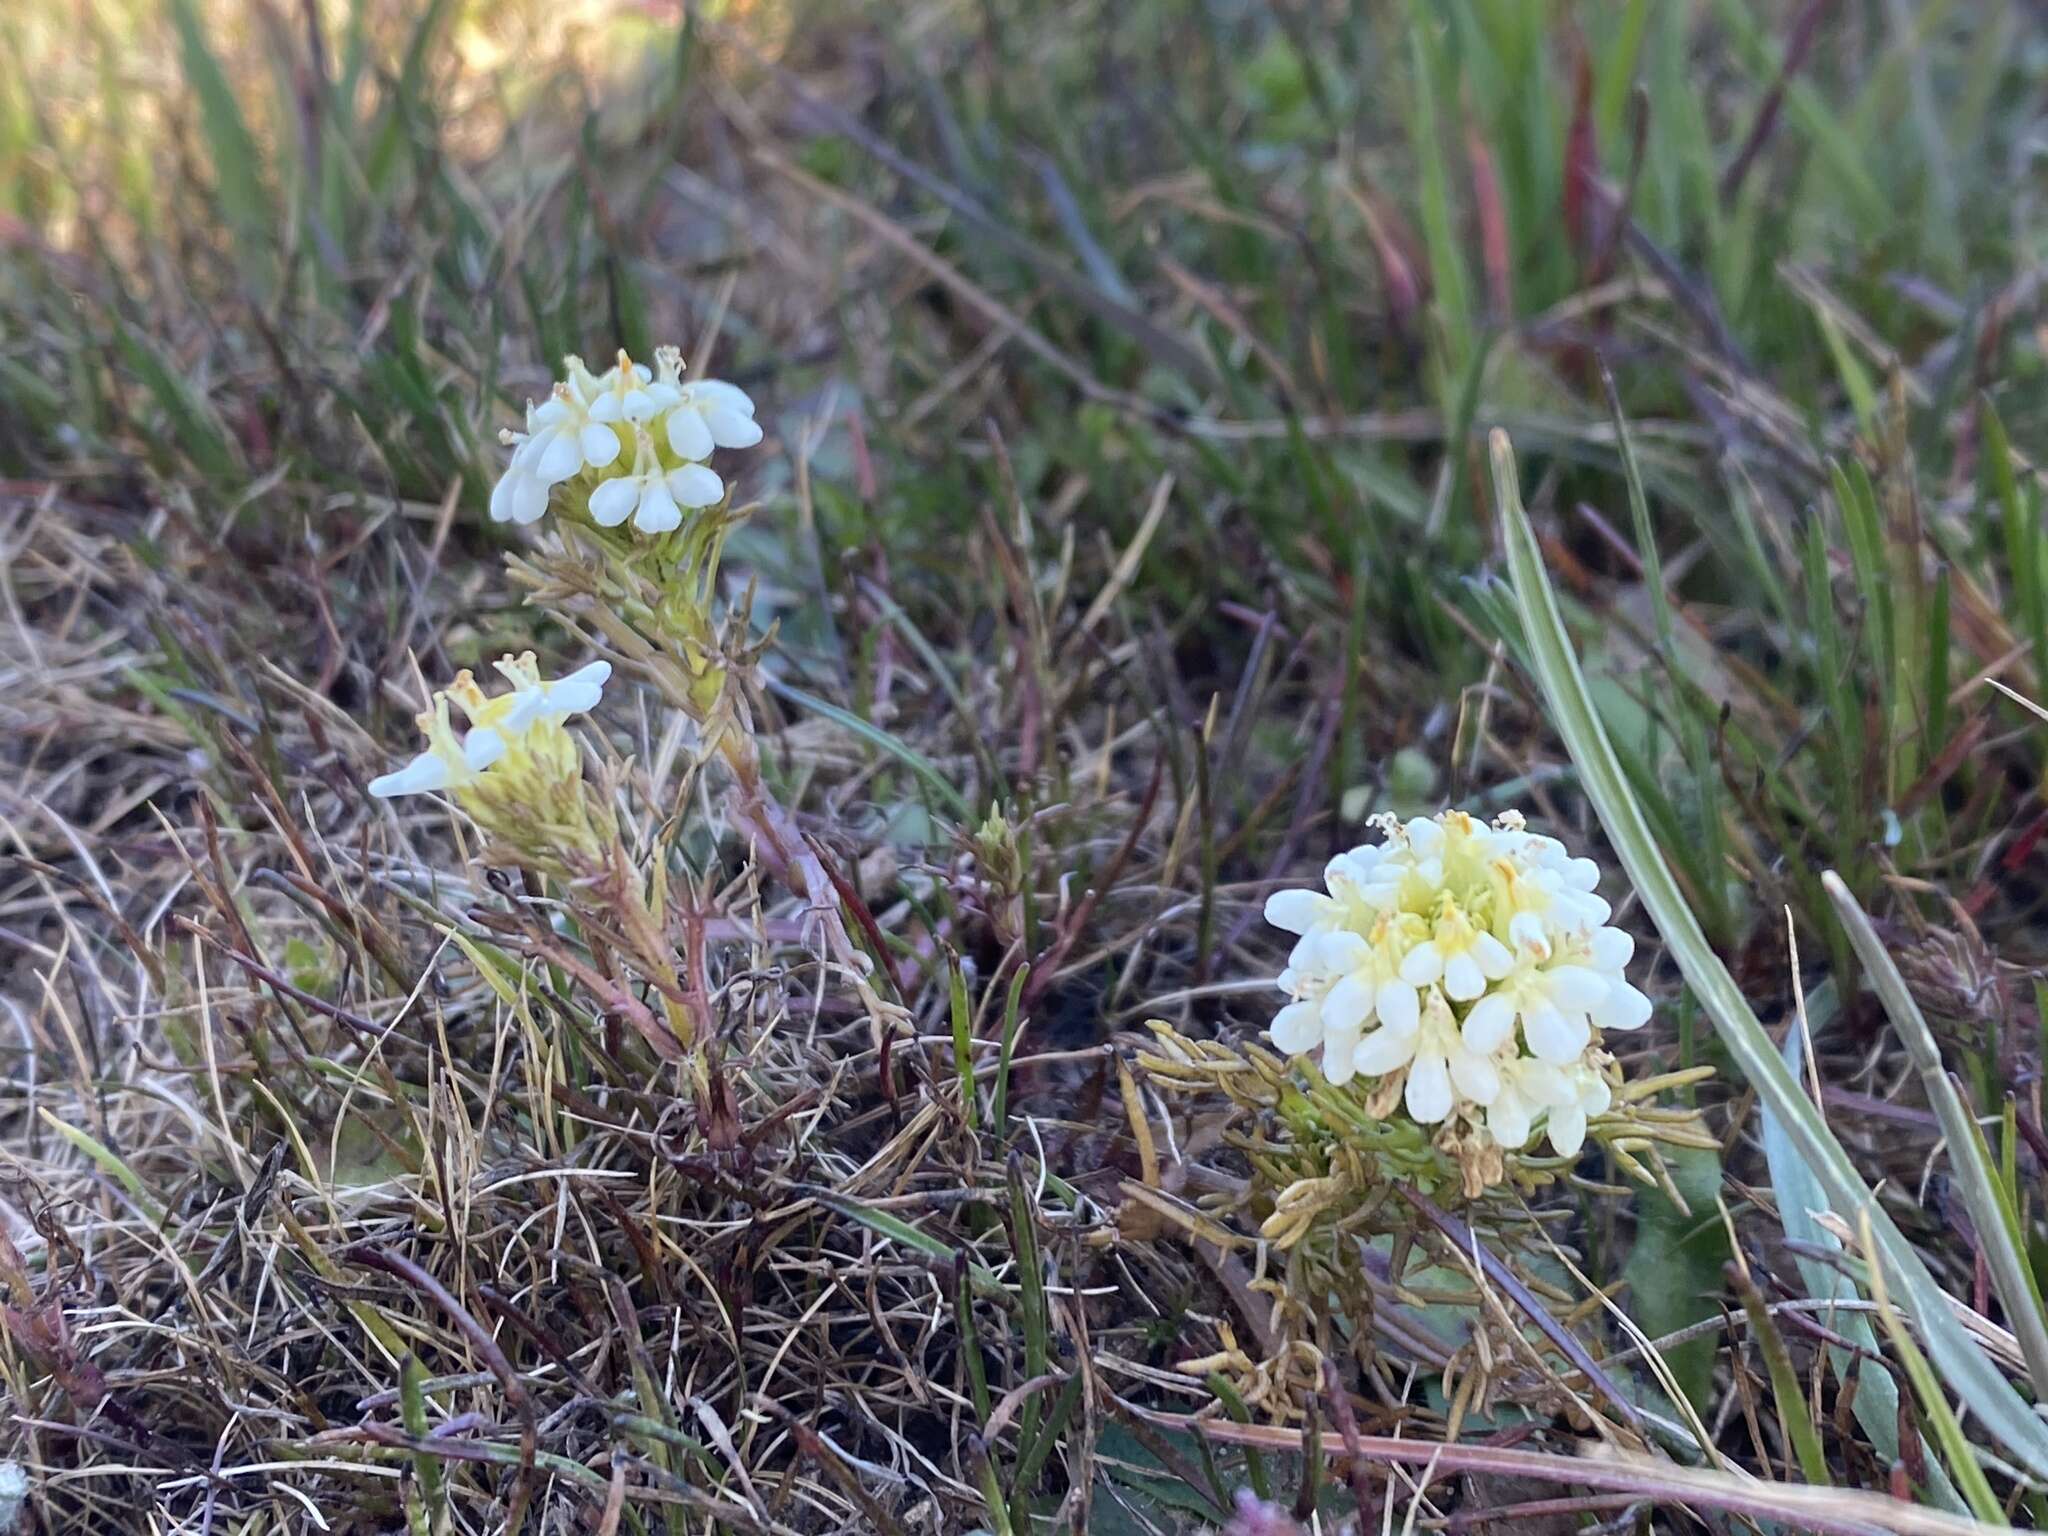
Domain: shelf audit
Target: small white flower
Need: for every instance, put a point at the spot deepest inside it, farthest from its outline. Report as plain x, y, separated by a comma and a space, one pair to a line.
703, 414
588, 422
1552, 1003
448, 762
536, 698
497, 724
1320, 963
1608, 950
572, 428
1528, 1088
520, 496
626, 394
1464, 957
652, 496
1589, 1095
1442, 1068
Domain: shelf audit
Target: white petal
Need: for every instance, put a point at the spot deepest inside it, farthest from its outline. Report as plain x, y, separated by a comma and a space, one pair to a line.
637, 406
1525, 932
1383, 1051
688, 435
1336, 953
1349, 1004
718, 392
1507, 1118
1425, 836
502, 495
695, 486
551, 412
1383, 892
1429, 1090
1594, 1097
1490, 1024
613, 502
1574, 988
658, 510
1581, 874
1348, 874
1542, 1084
1423, 964
530, 705
481, 748
1463, 980
1555, 1036
1612, 948
1298, 911
606, 407
581, 690
1337, 1064
1622, 1008
1567, 1130
1495, 959
422, 776
1398, 1006
1586, 910
1296, 1028
562, 457
529, 500
1476, 1077
600, 445
729, 428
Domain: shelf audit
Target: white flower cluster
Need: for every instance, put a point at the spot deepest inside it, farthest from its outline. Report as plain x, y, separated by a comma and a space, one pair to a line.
641, 435
1473, 958
504, 729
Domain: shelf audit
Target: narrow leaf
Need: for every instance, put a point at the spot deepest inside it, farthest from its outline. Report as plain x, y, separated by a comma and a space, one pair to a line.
1963, 1365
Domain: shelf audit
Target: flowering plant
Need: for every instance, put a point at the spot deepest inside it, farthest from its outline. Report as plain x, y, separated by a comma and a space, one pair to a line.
622, 458
634, 441
1466, 970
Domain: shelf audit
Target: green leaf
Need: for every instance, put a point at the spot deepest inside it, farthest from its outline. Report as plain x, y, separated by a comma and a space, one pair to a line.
1674, 1271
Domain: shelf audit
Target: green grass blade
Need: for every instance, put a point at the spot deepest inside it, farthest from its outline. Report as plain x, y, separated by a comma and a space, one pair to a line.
2022, 534
1948, 1430
1799, 1196
236, 159
963, 1044
109, 1163
193, 426
898, 1230
1976, 1180
875, 736
1037, 1322
1452, 289
1963, 1365
1795, 1414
